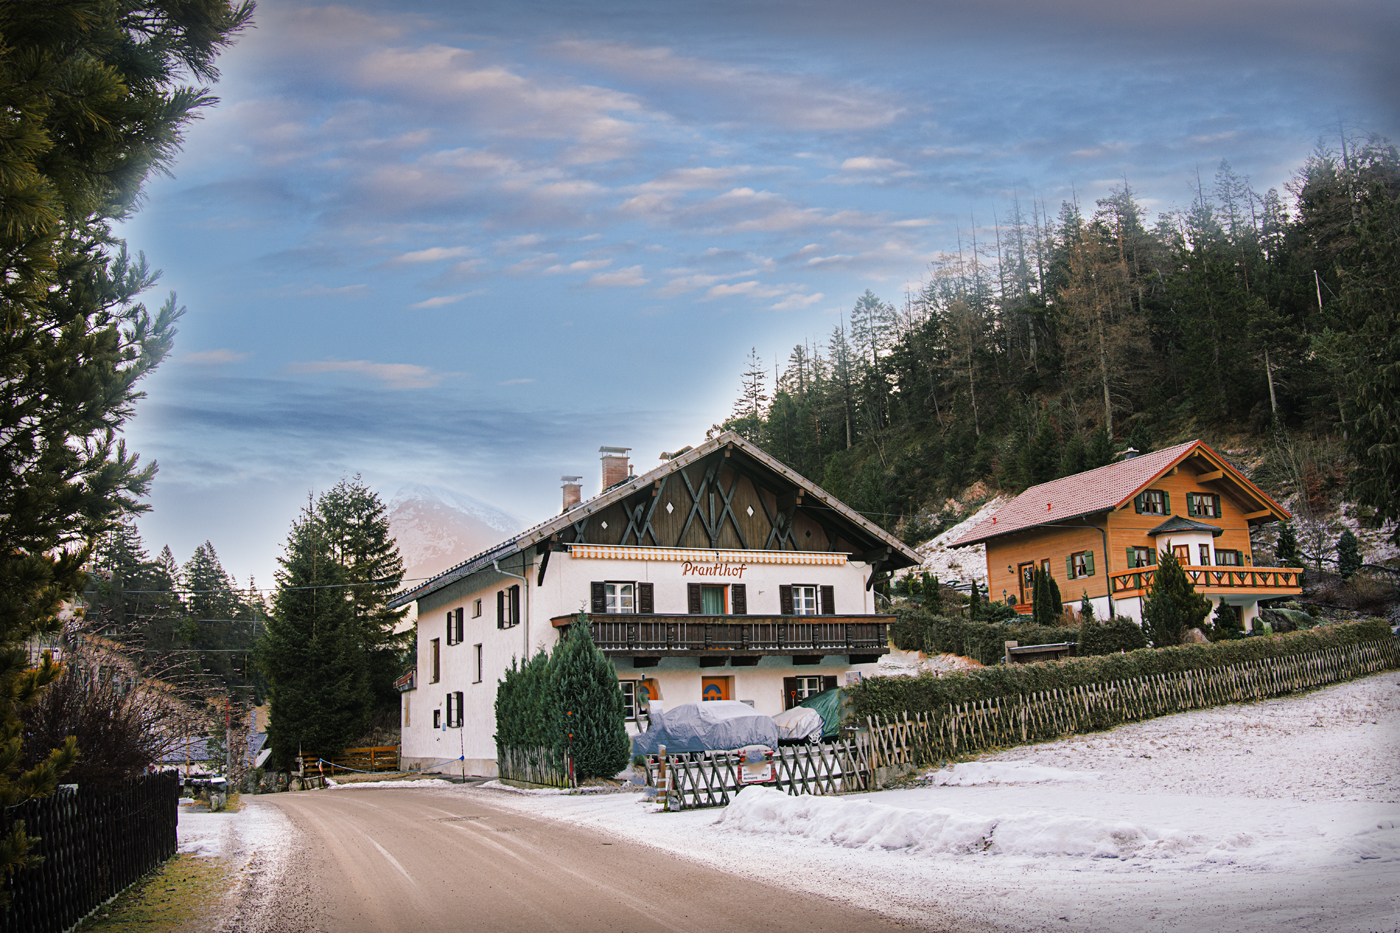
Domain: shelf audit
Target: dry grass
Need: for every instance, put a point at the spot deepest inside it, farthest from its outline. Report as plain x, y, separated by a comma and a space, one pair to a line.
184, 894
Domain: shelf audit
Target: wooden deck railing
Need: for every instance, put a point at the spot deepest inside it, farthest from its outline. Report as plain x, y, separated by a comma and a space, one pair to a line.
697, 635
1270, 581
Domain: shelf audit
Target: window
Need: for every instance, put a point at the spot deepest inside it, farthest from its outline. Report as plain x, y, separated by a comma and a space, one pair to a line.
508, 607
714, 600
437, 719
797, 689
801, 599
476, 609
454, 627
454, 710
476, 664
1229, 558
436, 660
1182, 553
1154, 502
621, 597
629, 698
1141, 557
1079, 564
1202, 505
1205, 555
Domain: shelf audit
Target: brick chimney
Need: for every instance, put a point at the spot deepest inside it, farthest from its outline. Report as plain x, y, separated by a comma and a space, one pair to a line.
615, 465
573, 491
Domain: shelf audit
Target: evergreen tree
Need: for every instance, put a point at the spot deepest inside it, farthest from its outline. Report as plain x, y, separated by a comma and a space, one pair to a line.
1173, 606
94, 98
312, 653
1046, 605
357, 526
1086, 608
1287, 552
589, 705
1074, 458
1225, 625
1100, 452
974, 603
1348, 554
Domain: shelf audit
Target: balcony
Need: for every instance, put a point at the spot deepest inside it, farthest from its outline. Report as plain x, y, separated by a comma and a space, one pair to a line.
1263, 582
718, 637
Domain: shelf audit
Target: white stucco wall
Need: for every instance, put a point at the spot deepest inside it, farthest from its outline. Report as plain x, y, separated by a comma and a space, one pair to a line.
566, 591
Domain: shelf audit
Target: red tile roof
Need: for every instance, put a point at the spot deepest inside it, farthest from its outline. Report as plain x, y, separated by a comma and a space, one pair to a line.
1099, 490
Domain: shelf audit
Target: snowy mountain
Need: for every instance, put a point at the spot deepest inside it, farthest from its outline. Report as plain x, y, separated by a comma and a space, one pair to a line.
437, 528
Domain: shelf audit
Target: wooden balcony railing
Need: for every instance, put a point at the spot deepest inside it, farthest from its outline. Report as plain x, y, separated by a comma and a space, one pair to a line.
700, 636
1266, 581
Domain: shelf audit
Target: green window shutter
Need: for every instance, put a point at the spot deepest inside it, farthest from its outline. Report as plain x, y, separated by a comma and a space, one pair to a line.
1190, 505
1132, 557
1218, 513
1166, 502
1088, 563
1138, 501
1069, 567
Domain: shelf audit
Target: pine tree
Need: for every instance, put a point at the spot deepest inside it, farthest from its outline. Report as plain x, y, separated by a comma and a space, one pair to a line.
589, 705
95, 97
1074, 458
1287, 552
312, 653
1348, 554
1100, 451
1173, 606
357, 526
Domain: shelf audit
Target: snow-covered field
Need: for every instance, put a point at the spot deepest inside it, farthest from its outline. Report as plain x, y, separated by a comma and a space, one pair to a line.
1281, 815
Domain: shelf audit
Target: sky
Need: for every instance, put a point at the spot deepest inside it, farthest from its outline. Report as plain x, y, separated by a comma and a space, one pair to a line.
467, 244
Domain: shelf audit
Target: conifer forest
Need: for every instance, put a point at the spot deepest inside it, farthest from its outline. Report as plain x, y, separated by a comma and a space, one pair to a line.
1052, 340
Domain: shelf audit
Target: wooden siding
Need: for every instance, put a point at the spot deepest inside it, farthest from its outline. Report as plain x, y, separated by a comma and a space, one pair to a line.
1126, 528
722, 521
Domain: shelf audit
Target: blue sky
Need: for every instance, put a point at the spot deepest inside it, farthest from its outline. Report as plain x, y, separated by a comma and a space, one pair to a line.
466, 244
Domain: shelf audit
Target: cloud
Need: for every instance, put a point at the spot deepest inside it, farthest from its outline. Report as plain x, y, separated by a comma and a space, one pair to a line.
796, 302
745, 94
393, 375
583, 265
434, 254
215, 357
440, 300
871, 164
631, 277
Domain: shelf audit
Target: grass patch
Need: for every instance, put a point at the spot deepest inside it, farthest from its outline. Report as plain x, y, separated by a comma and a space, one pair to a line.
183, 894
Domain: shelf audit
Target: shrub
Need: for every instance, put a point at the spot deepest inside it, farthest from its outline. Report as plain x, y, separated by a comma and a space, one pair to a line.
1111, 636
894, 696
1348, 554
1173, 605
1225, 625
984, 642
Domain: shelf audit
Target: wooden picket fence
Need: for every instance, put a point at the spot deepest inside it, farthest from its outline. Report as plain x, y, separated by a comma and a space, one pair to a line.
94, 843
547, 767
964, 728
355, 760
711, 780
887, 748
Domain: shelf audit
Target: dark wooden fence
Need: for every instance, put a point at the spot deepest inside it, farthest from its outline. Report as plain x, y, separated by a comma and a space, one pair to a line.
94, 842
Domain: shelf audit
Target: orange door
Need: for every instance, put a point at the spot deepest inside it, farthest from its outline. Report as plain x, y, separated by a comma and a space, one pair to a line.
714, 688
1027, 581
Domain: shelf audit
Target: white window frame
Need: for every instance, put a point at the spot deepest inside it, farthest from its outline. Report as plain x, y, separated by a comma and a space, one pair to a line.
476, 663
629, 698
476, 609
806, 599
620, 597
808, 685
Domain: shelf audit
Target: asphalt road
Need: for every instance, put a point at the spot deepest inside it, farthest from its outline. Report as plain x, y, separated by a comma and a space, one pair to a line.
424, 860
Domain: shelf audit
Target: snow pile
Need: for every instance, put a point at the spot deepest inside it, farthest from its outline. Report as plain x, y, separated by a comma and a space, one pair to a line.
964, 564
859, 824
420, 782
975, 773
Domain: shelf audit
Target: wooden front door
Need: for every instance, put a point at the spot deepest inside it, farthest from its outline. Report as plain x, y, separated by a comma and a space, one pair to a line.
714, 688
1027, 581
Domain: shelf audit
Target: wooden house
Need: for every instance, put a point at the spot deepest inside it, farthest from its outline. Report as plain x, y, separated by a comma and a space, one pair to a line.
720, 574
1099, 532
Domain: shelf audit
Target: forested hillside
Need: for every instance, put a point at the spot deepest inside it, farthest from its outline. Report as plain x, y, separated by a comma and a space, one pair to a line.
1051, 344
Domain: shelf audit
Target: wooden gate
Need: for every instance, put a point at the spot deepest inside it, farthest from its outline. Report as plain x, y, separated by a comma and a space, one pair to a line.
711, 779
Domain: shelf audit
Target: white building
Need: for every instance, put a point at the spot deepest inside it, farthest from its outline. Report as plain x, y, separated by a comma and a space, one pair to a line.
721, 574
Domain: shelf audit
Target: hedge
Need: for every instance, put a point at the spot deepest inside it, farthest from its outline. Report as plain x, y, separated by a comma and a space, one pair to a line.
895, 696
985, 642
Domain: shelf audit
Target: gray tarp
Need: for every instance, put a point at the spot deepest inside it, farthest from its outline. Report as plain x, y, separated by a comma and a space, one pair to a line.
699, 727
801, 723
